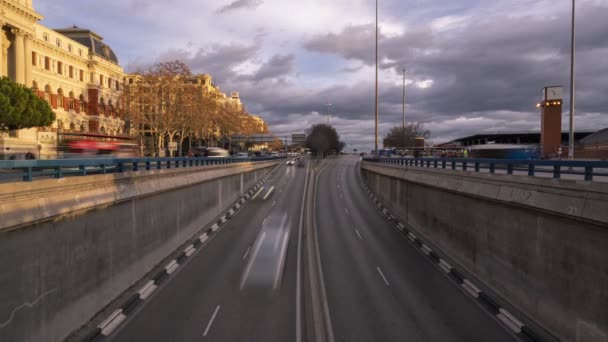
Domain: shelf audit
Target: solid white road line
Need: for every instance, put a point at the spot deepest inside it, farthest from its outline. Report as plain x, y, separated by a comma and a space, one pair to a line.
382, 275
246, 253
257, 193
299, 263
359, 234
211, 320
509, 320
269, 192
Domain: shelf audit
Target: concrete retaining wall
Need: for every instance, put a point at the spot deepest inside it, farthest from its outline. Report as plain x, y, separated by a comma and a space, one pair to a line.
541, 244
70, 246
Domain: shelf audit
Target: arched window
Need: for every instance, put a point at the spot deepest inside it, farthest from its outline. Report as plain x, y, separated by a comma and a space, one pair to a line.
82, 102
35, 86
82, 128
47, 93
71, 104
72, 127
103, 130
60, 98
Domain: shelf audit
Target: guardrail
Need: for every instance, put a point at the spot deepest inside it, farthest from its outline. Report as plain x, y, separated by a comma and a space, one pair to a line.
59, 168
588, 169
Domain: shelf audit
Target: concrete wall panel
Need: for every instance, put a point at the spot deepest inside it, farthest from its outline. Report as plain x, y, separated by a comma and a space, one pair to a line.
62, 269
534, 242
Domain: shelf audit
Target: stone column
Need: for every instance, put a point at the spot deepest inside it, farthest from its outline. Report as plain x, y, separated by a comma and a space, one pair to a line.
19, 56
28, 60
4, 45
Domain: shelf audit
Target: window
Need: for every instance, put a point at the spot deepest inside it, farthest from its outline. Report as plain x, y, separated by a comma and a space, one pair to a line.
71, 104
91, 77
60, 98
45, 36
34, 58
60, 68
47, 63
70, 47
81, 75
101, 80
130, 80
58, 42
80, 52
71, 71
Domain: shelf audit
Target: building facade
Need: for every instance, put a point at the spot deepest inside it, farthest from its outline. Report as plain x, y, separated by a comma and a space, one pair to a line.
72, 69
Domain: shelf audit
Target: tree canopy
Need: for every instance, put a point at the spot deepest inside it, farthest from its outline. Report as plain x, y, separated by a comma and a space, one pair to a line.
21, 108
322, 138
396, 138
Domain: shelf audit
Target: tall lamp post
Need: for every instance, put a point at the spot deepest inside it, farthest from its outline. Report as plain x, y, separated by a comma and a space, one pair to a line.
572, 85
403, 128
376, 136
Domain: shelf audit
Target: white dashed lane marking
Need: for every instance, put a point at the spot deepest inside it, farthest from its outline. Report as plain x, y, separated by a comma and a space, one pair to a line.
382, 275
211, 321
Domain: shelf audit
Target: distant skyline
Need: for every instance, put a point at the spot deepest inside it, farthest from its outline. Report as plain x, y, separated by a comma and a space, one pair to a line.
472, 66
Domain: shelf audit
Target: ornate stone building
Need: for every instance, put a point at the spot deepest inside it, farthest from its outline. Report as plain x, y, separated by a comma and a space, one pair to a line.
72, 68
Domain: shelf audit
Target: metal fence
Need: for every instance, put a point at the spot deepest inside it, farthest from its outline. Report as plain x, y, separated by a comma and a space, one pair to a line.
577, 169
27, 170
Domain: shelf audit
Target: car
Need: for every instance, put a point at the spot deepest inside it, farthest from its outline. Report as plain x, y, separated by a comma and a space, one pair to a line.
290, 162
241, 155
216, 152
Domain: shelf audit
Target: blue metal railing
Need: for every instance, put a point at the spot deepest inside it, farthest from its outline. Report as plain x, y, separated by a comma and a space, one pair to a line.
588, 169
27, 170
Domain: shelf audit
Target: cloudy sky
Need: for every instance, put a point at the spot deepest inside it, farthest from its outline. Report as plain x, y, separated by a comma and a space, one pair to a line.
472, 65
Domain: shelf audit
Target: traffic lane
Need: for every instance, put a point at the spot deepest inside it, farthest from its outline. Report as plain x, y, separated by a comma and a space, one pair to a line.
263, 314
175, 311
361, 305
416, 282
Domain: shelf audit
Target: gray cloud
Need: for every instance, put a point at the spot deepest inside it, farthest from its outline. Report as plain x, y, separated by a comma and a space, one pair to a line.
494, 65
240, 4
276, 67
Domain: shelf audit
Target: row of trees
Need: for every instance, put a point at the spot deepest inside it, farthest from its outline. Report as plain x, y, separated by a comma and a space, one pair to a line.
400, 139
167, 102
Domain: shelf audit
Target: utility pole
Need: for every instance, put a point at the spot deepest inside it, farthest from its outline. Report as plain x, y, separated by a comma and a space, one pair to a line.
572, 85
376, 136
403, 128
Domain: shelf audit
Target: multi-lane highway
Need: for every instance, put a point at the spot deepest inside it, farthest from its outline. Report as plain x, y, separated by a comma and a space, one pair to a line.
310, 259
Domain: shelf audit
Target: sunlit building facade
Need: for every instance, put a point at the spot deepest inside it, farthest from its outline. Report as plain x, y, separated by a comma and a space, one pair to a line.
72, 69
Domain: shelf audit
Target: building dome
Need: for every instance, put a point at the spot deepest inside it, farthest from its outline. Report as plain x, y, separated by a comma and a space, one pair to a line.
91, 40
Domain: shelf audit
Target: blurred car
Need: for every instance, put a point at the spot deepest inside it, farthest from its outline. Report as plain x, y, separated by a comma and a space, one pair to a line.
241, 155
216, 152
266, 263
300, 163
290, 162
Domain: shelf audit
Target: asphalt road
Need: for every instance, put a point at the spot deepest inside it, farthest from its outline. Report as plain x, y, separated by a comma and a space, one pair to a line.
377, 287
205, 302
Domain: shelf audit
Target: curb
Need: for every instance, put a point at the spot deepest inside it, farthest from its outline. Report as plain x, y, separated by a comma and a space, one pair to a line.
509, 320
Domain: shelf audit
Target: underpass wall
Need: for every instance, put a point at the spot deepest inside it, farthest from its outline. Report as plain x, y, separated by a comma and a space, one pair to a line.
68, 247
541, 244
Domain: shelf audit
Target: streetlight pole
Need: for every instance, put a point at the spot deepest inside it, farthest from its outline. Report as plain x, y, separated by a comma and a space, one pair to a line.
376, 136
403, 128
572, 85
